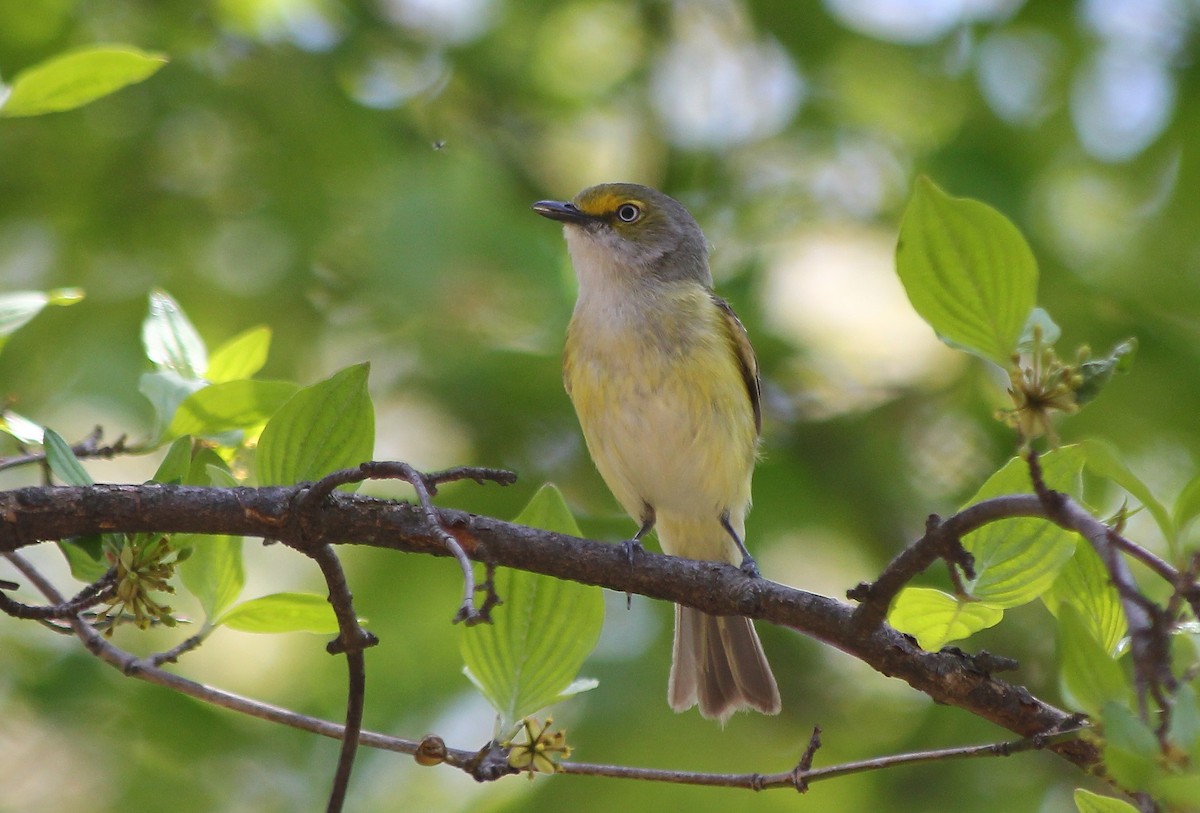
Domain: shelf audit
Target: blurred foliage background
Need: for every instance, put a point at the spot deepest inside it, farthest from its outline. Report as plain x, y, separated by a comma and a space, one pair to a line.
357, 176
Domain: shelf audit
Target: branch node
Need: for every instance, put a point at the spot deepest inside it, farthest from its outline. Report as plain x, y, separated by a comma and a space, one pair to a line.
357, 641
491, 597
431, 750
489, 763
799, 775
1050, 498
988, 664
939, 542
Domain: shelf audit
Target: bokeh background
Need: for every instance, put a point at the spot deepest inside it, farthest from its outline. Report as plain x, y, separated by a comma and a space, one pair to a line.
357, 176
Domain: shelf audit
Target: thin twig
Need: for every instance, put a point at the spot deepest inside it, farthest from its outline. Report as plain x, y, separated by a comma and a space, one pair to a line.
95, 593
352, 640
1158, 565
89, 447
172, 655
797, 778
1149, 630
425, 486
434, 750
942, 540
804, 767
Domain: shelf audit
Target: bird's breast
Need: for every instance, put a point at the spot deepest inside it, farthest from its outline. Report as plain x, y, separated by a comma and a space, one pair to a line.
663, 407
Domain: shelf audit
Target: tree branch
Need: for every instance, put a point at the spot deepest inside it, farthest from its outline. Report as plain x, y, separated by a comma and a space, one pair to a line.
32, 514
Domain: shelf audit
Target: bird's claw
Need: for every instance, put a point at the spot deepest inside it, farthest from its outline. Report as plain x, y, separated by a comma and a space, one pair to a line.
749, 567
632, 549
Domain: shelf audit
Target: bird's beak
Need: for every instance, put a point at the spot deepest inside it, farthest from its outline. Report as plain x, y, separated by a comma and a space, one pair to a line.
561, 210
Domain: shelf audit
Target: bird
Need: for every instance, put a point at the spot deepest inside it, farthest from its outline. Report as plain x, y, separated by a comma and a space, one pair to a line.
665, 385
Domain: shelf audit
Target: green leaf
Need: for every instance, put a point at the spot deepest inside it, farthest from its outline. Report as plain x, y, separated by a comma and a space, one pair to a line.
1102, 460
1130, 747
935, 618
967, 270
221, 477
85, 556
77, 77
230, 405
1187, 505
170, 339
1097, 373
63, 461
1016, 560
166, 390
240, 357
1088, 802
282, 612
542, 633
22, 428
19, 307
1085, 585
174, 466
1180, 793
214, 573
1088, 676
204, 460
1185, 723
322, 428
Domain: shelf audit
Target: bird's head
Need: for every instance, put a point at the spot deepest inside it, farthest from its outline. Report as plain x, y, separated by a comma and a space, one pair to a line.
631, 229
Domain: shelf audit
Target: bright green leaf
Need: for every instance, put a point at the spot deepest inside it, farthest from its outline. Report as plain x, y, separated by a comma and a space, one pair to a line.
63, 461
967, 270
214, 572
1016, 560
1103, 460
935, 618
204, 460
1185, 722
530, 656
19, 307
166, 390
77, 77
1180, 793
322, 428
1187, 505
174, 466
21, 428
1130, 747
1088, 802
231, 405
221, 477
1084, 584
85, 556
240, 357
170, 339
282, 612
1088, 675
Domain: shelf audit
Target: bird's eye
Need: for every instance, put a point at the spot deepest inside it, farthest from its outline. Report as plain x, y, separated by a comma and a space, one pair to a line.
628, 213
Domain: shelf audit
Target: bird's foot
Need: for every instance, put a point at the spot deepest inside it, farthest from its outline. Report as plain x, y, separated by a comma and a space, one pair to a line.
749, 567
632, 549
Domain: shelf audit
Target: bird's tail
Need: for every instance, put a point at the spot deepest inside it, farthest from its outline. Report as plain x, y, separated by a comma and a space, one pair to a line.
718, 664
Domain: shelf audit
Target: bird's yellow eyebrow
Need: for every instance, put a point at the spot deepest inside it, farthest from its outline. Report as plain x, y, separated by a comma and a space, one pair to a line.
604, 203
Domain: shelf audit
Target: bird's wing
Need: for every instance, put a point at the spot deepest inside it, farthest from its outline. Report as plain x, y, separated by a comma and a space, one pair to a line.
744, 352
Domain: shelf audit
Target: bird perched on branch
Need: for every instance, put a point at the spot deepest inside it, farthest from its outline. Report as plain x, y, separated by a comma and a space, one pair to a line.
665, 384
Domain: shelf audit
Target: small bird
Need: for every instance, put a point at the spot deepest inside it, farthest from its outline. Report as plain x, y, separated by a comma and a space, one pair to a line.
665, 384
